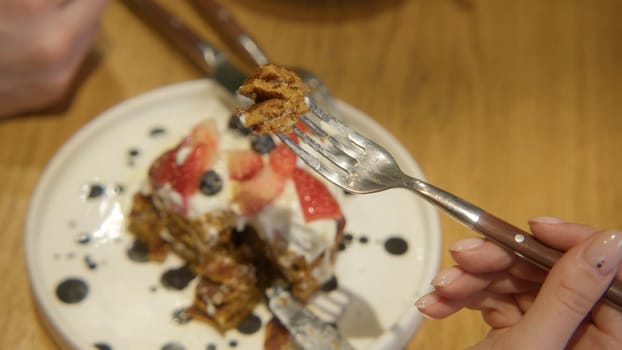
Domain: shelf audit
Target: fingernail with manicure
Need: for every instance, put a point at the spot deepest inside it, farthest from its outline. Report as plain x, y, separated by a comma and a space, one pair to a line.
445, 277
466, 244
545, 220
605, 252
427, 300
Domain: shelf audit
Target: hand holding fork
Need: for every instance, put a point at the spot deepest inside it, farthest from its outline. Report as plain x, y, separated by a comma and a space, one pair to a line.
359, 165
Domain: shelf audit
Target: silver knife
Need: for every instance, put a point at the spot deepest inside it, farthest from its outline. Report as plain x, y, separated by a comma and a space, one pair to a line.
200, 52
308, 330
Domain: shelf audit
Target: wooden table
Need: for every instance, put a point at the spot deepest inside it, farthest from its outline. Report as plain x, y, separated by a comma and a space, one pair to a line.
515, 105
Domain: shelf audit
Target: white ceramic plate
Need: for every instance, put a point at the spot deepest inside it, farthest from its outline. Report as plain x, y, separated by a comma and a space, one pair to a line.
76, 244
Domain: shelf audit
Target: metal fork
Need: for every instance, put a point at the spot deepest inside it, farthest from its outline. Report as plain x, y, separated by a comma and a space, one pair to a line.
313, 325
359, 165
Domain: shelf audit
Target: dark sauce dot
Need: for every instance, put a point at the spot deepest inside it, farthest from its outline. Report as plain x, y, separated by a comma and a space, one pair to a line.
83, 238
132, 154
102, 346
153, 289
71, 255
177, 278
72, 290
330, 285
262, 143
249, 325
363, 239
233, 343
138, 252
157, 131
236, 124
396, 246
72, 224
211, 347
345, 241
118, 188
210, 183
89, 262
173, 346
181, 316
95, 190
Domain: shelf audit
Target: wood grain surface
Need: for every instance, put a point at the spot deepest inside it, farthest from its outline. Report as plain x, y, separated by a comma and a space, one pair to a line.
514, 105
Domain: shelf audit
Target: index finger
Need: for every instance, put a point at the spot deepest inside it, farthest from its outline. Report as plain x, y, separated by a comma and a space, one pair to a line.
558, 234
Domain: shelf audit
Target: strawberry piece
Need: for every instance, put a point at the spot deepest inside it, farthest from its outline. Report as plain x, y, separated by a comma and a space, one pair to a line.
315, 199
243, 165
253, 195
283, 160
186, 175
183, 165
300, 125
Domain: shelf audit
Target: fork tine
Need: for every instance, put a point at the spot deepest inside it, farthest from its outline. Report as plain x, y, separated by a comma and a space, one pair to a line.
337, 176
329, 306
352, 135
351, 152
341, 159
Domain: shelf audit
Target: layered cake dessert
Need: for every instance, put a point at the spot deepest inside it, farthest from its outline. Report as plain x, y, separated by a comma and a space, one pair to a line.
243, 212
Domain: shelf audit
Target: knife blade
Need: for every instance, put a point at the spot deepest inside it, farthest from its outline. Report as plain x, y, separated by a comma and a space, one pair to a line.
201, 53
308, 330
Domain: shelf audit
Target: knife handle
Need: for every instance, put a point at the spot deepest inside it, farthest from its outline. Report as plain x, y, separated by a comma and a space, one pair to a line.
200, 52
230, 29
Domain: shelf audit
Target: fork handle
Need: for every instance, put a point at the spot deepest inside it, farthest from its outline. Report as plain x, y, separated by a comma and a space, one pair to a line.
176, 32
231, 30
526, 246
501, 232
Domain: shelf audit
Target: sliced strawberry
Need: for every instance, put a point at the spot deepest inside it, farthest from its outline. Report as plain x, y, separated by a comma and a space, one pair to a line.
205, 133
162, 169
253, 195
183, 165
283, 160
186, 175
302, 126
315, 199
243, 165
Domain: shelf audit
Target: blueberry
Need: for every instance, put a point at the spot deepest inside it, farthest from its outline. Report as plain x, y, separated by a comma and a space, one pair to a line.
236, 124
210, 183
262, 143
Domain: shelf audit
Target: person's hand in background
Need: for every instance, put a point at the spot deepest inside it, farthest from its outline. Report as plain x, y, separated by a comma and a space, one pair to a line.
525, 308
42, 45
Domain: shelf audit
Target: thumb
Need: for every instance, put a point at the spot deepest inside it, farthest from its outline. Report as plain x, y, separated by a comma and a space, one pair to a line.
572, 287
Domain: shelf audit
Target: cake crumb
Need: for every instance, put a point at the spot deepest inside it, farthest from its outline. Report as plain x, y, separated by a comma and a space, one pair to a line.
278, 94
